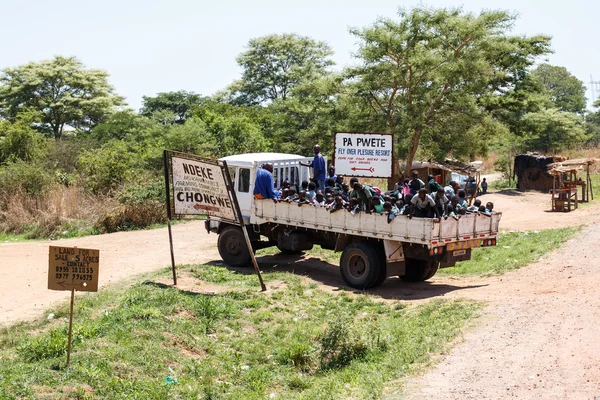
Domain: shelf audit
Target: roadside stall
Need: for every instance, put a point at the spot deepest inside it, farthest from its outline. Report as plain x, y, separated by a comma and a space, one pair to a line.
565, 185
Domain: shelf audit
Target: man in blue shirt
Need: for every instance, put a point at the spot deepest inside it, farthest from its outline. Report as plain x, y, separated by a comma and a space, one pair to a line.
263, 185
319, 167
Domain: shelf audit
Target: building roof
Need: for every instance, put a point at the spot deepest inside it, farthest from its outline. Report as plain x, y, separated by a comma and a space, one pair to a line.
249, 159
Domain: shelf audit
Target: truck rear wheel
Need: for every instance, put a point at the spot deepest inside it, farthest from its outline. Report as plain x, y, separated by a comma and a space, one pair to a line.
232, 247
360, 265
419, 270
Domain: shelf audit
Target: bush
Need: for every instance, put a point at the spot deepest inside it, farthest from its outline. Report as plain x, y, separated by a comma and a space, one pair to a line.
104, 169
141, 204
31, 178
341, 343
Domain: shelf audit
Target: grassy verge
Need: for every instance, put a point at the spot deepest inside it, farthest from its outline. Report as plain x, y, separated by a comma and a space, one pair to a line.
514, 250
152, 341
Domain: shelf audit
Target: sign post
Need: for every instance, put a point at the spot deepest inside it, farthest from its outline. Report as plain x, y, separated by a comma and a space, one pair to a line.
72, 268
202, 186
364, 154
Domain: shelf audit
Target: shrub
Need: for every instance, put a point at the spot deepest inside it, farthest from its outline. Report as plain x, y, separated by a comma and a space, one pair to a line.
141, 204
104, 169
31, 178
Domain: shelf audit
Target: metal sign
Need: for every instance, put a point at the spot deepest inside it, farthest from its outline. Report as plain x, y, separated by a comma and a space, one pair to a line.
72, 268
364, 154
199, 187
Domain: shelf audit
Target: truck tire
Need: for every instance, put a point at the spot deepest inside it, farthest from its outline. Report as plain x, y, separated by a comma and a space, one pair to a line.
232, 247
419, 270
360, 265
433, 269
381, 275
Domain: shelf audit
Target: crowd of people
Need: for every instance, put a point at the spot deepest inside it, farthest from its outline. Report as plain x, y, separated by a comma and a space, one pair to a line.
410, 197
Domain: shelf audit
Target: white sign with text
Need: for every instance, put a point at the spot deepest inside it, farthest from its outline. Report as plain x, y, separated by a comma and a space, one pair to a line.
200, 188
363, 154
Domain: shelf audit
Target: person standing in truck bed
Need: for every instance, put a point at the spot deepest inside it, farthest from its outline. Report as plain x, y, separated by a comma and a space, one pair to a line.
263, 185
318, 166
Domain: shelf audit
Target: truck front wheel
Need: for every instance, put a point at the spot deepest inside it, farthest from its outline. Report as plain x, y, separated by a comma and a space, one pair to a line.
232, 247
419, 270
359, 265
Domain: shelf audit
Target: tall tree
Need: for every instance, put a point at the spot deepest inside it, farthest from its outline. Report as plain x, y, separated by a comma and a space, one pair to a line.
438, 62
552, 130
171, 107
273, 65
62, 90
565, 90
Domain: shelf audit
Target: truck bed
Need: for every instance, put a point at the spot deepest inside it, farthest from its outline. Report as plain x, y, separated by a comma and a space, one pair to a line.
425, 231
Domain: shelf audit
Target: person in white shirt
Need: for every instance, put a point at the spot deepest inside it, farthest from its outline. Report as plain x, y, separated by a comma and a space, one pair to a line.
422, 205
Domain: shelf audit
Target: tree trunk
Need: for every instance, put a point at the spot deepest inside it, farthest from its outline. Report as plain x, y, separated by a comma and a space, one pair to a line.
414, 146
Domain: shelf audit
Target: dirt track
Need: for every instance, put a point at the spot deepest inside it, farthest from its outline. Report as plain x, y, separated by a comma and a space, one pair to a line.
24, 266
536, 339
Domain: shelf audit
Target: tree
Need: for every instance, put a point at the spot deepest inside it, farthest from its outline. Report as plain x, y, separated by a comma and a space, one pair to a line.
434, 63
273, 65
62, 90
553, 130
171, 107
18, 140
565, 90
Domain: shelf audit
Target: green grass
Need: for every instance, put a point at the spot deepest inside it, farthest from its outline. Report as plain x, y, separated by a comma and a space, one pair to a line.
12, 237
513, 251
292, 342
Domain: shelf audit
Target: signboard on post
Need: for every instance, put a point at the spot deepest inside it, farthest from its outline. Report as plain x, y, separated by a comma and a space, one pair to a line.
202, 186
364, 154
73, 268
199, 187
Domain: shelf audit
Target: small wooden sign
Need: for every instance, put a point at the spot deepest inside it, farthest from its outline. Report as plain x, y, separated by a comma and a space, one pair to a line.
72, 268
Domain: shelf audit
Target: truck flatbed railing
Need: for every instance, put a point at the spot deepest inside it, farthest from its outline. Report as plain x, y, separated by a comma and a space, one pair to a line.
425, 231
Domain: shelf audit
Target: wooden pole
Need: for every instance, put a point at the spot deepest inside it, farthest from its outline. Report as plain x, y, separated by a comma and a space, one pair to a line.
70, 327
168, 203
244, 227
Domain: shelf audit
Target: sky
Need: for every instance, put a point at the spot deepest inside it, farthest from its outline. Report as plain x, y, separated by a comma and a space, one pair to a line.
151, 46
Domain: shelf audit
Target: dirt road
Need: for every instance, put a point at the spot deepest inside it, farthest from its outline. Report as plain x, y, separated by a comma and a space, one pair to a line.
24, 266
536, 339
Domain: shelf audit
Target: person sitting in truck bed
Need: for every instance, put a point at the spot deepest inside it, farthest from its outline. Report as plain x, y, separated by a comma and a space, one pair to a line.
450, 190
302, 198
339, 181
319, 199
329, 186
363, 194
375, 205
337, 204
406, 208
475, 206
433, 185
489, 207
415, 183
311, 192
441, 202
263, 185
422, 205
462, 199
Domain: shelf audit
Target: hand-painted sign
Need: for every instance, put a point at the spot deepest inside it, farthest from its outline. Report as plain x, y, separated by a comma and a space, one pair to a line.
199, 187
73, 268
363, 154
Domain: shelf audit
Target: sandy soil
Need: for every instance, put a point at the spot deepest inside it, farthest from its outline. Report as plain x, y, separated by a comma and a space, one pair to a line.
24, 266
536, 339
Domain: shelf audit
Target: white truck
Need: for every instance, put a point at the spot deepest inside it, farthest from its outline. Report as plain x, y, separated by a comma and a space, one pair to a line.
372, 249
